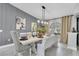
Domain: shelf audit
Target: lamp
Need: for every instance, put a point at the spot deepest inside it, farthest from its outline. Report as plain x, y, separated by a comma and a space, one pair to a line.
43, 16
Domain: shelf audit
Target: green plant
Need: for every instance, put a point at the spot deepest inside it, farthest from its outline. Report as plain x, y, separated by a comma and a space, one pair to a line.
41, 29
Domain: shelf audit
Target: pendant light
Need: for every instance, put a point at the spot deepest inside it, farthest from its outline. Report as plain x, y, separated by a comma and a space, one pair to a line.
43, 16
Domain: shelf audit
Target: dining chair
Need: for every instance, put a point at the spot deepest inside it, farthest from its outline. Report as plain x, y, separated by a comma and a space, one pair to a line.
33, 45
45, 44
18, 46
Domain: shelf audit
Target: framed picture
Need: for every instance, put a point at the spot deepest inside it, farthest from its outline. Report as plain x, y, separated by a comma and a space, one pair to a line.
33, 26
20, 23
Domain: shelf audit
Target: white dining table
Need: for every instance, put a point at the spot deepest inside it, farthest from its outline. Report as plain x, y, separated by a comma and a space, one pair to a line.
42, 43
30, 40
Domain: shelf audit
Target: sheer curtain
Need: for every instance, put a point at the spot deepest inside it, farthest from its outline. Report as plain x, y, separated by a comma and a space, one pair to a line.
66, 27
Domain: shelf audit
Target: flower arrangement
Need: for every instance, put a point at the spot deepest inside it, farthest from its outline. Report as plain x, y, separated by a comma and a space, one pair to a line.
41, 31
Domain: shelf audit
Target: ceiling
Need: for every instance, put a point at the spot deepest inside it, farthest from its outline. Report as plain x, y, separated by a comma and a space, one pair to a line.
53, 10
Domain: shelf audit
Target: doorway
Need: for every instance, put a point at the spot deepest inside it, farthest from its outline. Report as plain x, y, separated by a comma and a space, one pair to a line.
77, 32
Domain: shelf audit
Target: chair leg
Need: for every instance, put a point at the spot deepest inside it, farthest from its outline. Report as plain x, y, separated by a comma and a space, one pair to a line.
30, 51
34, 50
18, 54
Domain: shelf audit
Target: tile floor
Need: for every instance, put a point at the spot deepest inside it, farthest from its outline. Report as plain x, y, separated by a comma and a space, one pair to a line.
57, 50
61, 50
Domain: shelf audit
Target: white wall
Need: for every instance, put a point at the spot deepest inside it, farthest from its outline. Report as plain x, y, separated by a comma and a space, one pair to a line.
73, 22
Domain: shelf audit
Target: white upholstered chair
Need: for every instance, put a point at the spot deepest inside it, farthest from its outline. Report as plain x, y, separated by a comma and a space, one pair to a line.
46, 43
18, 46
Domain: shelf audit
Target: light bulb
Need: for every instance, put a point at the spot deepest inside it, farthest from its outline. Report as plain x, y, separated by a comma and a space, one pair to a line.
38, 21
1, 30
45, 22
42, 22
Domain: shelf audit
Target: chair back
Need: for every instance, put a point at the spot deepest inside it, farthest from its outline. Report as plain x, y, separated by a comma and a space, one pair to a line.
15, 37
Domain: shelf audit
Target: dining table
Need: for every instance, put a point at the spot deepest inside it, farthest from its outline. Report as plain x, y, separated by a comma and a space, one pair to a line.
30, 40
41, 43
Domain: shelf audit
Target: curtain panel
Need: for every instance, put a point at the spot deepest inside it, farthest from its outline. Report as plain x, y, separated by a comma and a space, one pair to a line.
65, 28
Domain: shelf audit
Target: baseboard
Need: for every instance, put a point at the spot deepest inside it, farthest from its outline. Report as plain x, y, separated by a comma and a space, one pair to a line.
5, 46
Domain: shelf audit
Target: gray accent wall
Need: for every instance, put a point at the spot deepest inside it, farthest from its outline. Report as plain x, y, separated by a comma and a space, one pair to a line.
8, 14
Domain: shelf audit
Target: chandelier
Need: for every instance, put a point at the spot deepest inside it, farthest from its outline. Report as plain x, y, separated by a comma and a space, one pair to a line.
42, 21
